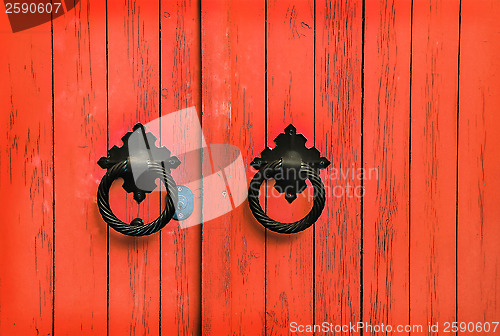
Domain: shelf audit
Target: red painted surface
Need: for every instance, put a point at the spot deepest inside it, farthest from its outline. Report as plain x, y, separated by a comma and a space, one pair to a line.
386, 136
433, 170
406, 90
80, 135
290, 99
133, 96
338, 117
26, 182
180, 88
478, 161
233, 97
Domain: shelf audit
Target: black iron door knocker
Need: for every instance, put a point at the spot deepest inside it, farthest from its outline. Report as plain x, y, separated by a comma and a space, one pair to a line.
139, 162
290, 164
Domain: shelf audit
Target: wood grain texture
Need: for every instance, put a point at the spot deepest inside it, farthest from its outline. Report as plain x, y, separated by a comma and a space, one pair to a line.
290, 99
478, 162
180, 89
433, 161
26, 181
406, 90
338, 76
80, 138
133, 80
386, 149
233, 58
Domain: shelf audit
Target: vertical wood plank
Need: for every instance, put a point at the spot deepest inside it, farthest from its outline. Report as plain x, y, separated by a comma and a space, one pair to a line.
290, 99
386, 162
478, 162
339, 49
133, 85
80, 138
180, 89
233, 59
433, 161
26, 181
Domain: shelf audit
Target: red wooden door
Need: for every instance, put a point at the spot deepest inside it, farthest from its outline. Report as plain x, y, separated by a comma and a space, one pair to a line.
401, 96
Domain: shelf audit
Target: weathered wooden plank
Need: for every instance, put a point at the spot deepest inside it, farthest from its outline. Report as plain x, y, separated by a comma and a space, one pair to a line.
478, 161
133, 96
339, 48
233, 59
80, 137
433, 162
386, 163
290, 99
26, 181
180, 90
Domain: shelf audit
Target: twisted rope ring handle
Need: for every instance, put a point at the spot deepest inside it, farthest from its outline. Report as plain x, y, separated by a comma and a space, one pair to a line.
293, 227
137, 226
